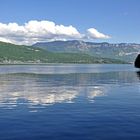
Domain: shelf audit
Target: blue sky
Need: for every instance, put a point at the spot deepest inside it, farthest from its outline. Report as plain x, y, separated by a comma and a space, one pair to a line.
119, 19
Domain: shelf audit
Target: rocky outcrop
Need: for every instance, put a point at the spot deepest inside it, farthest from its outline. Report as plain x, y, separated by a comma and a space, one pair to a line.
137, 62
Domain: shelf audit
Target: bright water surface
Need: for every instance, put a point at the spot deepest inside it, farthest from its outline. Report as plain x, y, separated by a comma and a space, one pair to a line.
69, 102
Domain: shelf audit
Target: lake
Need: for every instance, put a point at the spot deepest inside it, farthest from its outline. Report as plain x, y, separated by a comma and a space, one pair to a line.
69, 102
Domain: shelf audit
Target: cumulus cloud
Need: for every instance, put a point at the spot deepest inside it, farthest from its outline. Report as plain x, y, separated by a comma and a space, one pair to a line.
93, 33
38, 31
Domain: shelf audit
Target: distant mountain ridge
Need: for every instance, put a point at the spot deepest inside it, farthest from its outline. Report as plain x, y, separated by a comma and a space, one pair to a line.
21, 54
123, 51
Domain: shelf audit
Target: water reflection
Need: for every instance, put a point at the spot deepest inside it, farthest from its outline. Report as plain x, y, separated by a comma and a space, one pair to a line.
48, 89
33, 89
65, 68
84, 105
138, 74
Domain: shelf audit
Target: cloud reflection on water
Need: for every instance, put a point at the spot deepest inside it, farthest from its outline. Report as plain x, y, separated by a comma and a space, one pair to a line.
45, 90
48, 89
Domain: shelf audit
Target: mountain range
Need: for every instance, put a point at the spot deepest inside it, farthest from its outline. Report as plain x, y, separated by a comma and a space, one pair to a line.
21, 54
122, 51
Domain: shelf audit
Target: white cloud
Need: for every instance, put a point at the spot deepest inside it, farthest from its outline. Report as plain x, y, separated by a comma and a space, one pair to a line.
36, 31
95, 34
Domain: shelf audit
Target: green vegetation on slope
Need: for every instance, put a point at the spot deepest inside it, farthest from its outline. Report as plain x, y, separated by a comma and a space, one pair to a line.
78, 58
10, 53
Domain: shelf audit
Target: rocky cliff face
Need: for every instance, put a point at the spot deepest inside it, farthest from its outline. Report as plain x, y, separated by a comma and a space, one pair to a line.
123, 51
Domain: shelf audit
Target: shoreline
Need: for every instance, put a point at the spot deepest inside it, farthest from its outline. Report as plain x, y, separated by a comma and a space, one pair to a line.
63, 63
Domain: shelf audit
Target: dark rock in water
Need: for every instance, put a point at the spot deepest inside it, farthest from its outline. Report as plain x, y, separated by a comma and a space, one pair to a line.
137, 62
138, 74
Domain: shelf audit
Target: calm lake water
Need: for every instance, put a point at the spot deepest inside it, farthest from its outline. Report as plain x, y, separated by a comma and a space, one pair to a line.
69, 102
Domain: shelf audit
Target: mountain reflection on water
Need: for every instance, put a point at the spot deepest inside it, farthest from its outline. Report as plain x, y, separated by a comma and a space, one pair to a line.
48, 89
